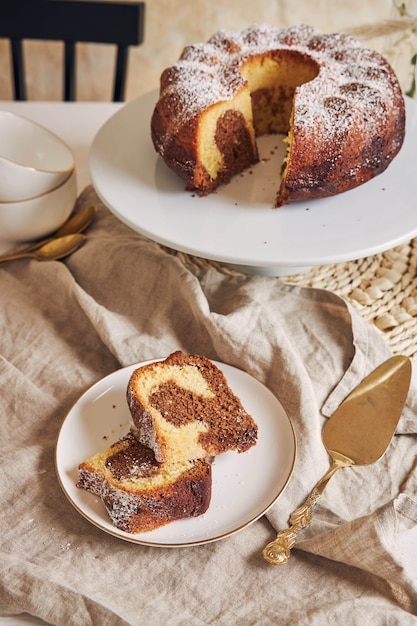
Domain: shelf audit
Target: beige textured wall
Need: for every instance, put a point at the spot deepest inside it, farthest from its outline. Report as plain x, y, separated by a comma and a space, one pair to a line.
172, 24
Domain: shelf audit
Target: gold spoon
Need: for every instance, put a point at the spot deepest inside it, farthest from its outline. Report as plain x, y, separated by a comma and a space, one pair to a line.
52, 250
76, 223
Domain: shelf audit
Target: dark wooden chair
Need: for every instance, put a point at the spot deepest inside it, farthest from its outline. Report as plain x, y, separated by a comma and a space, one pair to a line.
72, 21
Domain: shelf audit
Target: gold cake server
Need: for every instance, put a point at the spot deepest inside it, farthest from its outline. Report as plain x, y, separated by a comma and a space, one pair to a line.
358, 433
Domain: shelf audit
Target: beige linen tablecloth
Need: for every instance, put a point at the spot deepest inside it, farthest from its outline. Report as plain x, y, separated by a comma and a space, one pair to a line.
122, 299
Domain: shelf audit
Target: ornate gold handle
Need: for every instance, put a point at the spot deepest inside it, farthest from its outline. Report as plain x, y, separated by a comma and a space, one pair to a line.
279, 550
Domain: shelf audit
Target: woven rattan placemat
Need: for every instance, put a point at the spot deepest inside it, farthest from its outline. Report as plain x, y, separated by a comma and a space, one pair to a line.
382, 287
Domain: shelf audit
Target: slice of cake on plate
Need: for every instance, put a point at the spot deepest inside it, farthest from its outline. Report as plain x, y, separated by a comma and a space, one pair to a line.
183, 413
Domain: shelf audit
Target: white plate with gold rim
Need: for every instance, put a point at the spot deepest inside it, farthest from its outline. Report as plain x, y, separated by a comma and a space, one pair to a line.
237, 224
244, 486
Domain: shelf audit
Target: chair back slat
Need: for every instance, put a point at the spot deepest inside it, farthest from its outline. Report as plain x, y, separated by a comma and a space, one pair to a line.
18, 69
120, 73
69, 71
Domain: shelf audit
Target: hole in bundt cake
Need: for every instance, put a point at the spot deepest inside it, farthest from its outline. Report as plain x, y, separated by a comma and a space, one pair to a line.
264, 109
272, 82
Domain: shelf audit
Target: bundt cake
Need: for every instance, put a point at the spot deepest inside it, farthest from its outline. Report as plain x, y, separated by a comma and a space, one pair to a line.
183, 408
339, 104
141, 494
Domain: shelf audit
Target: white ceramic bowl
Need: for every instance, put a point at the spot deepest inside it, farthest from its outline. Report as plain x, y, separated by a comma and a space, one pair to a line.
40, 216
33, 161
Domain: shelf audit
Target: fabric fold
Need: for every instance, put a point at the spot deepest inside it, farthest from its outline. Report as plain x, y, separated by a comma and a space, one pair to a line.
122, 299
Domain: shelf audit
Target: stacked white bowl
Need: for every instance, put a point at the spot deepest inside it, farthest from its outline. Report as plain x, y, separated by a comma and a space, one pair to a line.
37, 179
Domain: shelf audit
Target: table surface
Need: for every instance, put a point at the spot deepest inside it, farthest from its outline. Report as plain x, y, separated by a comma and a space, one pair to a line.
77, 124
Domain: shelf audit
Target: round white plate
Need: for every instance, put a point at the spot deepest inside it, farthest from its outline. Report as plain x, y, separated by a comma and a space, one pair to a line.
244, 486
237, 224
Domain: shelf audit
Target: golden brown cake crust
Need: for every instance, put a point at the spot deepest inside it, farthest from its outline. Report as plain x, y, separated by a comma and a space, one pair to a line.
135, 506
348, 118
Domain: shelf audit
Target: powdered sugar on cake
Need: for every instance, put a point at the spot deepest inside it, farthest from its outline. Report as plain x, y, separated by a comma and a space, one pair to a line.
210, 72
339, 104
